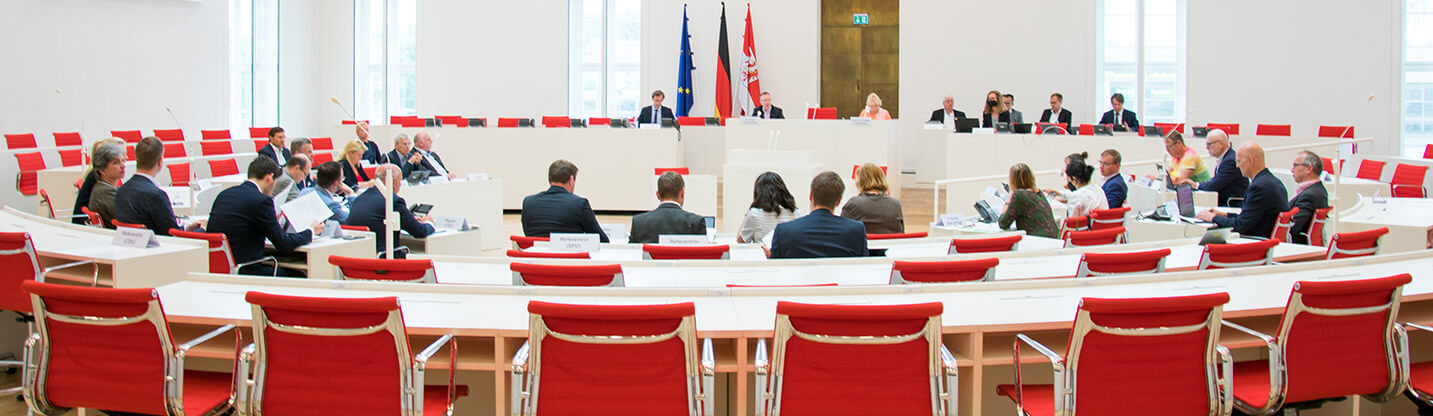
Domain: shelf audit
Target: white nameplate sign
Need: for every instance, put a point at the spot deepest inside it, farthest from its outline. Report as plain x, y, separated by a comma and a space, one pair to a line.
651, 126
615, 232
589, 243
205, 184
437, 179
683, 240
860, 121
934, 126
750, 121
480, 176
950, 220
450, 222
135, 237
179, 196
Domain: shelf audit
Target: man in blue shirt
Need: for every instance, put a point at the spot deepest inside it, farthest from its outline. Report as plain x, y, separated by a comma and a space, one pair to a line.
1115, 187
821, 233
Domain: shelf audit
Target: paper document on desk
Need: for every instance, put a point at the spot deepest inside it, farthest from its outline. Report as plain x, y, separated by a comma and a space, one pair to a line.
179, 196
305, 210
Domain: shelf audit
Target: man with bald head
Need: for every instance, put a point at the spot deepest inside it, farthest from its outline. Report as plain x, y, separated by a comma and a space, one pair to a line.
1263, 202
430, 161
367, 209
1227, 180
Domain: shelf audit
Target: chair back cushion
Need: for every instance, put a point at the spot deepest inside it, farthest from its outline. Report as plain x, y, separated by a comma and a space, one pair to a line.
221, 261
1218, 256
18, 260
985, 245
1151, 261
20, 141
566, 275
658, 252
949, 271
1284, 225
394, 270
524, 242
1370, 169
215, 148
1355, 244
1094, 237
1339, 354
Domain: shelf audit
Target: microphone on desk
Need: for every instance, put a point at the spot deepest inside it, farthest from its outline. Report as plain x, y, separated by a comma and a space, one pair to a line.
361, 125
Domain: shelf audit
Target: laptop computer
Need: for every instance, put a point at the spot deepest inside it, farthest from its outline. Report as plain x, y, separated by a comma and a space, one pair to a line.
1021, 128
1184, 196
477, 122
1003, 127
1153, 131
1200, 131
618, 122
1220, 235
966, 125
1103, 130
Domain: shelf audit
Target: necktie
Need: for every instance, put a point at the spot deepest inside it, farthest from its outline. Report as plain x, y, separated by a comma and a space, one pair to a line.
655, 113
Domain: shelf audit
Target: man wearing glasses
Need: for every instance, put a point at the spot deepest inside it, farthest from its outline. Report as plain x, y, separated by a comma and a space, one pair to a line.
1227, 180
1311, 195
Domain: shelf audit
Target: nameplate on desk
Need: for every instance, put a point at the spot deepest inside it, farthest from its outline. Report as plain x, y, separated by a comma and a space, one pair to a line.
860, 121
135, 237
651, 126
935, 126
683, 240
950, 220
205, 184
179, 196
615, 232
437, 179
750, 121
450, 222
480, 176
574, 242
983, 130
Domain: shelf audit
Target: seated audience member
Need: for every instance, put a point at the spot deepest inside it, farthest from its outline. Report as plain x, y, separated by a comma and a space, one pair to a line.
367, 211
403, 155
995, 110
108, 165
820, 233
874, 206
873, 108
1085, 197
276, 150
1123, 120
771, 204
354, 176
291, 181
1057, 113
430, 160
558, 210
1227, 180
655, 113
82, 197
1009, 101
140, 201
1184, 164
370, 149
302, 146
1115, 187
1263, 202
766, 110
668, 217
245, 214
327, 189
1308, 169
946, 114
1027, 207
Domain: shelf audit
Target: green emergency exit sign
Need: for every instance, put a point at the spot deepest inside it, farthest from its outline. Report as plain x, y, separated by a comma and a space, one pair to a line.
860, 19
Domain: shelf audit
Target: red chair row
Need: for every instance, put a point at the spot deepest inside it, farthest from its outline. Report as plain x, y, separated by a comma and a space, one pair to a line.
1407, 180
27, 140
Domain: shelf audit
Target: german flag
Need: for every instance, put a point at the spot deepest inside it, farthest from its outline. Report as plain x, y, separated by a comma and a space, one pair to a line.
723, 72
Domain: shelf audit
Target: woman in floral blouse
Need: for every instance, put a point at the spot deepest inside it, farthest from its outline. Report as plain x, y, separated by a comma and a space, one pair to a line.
1027, 207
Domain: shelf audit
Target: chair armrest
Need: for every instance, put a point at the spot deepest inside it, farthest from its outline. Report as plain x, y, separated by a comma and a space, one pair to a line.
1057, 368
1225, 380
265, 259
420, 363
94, 279
708, 364
520, 392
763, 374
1277, 387
1405, 372
243, 382
950, 381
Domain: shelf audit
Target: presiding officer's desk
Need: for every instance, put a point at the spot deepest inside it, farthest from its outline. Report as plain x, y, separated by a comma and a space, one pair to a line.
1409, 222
839, 144
979, 320
58, 242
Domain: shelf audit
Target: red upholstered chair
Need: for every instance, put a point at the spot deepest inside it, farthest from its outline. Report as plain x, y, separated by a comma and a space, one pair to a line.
1041, 127
1336, 339
129, 152
214, 135
526, 274
1420, 380
855, 168
985, 244
613, 360
1428, 152
129, 136
94, 218
679, 170
371, 171
452, 121
68, 139
1178, 369
1345, 132
111, 349
825, 113
415, 122
72, 157
1355, 244
1168, 127
1329, 167
1229, 128
215, 148
223, 167
350, 122
1283, 226
896, 236
259, 132
320, 158
169, 135
299, 342
386, 270
691, 121
1095, 237
658, 252
173, 150
948, 271
122, 224
27, 181
20, 141
856, 360
507, 122
547, 254
50, 205
552, 122
1407, 181
523, 242
360, 228
398, 120
1072, 224
1133, 262
1370, 169
322, 143
1273, 130
1087, 130
599, 121
20, 264
1315, 234
1108, 218
221, 258
1223, 256
259, 144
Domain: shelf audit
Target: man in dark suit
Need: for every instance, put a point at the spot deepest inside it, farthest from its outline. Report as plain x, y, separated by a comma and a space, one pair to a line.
367, 211
669, 217
139, 200
1058, 114
1311, 195
1122, 119
654, 113
766, 110
947, 114
403, 155
245, 214
1228, 181
428, 159
1264, 201
1115, 187
821, 233
558, 210
276, 150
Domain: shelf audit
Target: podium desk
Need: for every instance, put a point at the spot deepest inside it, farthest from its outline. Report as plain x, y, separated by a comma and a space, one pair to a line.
838, 144
59, 242
1409, 222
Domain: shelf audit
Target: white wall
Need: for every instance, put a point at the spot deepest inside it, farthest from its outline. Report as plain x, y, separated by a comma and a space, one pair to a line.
315, 65
492, 59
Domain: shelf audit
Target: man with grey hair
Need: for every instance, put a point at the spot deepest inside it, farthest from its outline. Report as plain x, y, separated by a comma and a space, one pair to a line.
108, 165
430, 160
367, 210
403, 155
1263, 202
292, 181
301, 146
668, 217
1227, 181
1308, 170
946, 114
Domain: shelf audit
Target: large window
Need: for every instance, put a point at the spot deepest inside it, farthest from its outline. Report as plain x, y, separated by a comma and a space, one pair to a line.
604, 58
1417, 77
1140, 53
385, 57
253, 63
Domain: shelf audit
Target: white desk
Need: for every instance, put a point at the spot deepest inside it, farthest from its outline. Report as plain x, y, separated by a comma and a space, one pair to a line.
315, 263
480, 202
444, 242
58, 242
1350, 189
1409, 222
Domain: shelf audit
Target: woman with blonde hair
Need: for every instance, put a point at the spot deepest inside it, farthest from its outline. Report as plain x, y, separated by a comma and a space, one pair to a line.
1027, 208
995, 111
874, 205
353, 174
873, 108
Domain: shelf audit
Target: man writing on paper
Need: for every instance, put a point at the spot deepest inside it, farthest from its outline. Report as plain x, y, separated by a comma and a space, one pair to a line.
558, 210
668, 217
1263, 202
367, 210
245, 215
821, 233
140, 201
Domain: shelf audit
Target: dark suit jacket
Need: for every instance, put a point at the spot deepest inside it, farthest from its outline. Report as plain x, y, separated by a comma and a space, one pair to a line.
1312, 198
646, 116
140, 201
423, 164
1130, 122
371, 152
1263, 202
268, 150
667, 218
367, 211
1115, 191
760, 112
1064, 118
1228, 181
352, 177
985, 119
819, 234
558, 211
246, 217
82, 198
401, 161
938, 116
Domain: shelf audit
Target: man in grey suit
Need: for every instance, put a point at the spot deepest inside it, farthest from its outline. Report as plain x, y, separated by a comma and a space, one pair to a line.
1015, 117
668, 217
292, 179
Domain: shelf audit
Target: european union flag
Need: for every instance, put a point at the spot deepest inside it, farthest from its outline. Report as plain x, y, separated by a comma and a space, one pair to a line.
684, 71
